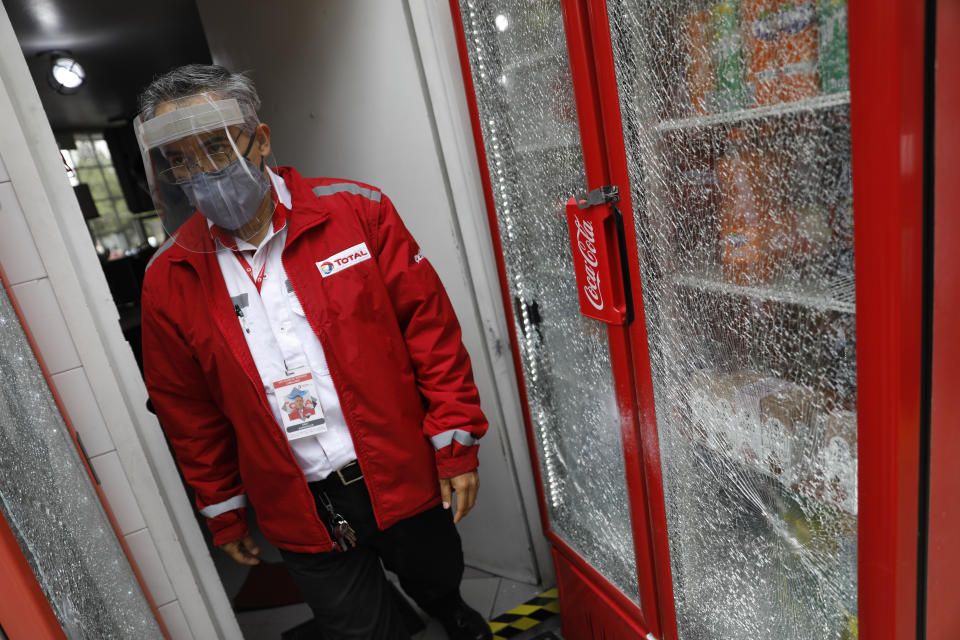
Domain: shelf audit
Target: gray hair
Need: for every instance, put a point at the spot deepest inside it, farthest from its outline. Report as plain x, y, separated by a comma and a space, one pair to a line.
194, 79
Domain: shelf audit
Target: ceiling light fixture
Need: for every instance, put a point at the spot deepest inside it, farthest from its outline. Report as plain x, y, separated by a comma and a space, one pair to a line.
65, 75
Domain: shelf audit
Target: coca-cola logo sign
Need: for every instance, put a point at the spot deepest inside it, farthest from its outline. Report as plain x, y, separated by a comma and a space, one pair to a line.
587, 244
590, 225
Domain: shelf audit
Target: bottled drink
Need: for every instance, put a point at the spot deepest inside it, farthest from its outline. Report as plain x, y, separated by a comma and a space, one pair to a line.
695, 193
761, 34
727, 56
834, 64
797, 51
752, 225
850, 627
742, 250
698, 38
812, 232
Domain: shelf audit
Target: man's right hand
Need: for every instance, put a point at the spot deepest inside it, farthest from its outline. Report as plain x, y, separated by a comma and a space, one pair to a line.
244, 551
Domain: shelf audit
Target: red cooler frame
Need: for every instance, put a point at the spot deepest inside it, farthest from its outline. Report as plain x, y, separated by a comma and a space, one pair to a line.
28, 607
24, 610
887, 127
943, 578
608, 606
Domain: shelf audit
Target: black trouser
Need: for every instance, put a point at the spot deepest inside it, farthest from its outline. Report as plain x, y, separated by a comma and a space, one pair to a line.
348, 591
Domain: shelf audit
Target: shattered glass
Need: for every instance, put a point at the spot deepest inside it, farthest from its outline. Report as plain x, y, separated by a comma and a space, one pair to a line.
53, 509
524, 92
737, 126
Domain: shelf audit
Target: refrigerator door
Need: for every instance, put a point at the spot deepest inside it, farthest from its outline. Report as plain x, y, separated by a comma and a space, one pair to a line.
737, 132
524, 95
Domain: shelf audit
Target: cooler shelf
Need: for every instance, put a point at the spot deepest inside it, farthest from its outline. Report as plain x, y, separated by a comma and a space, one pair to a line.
548, 144
810, 482
532, 59
731, 459
839, 296
743, 115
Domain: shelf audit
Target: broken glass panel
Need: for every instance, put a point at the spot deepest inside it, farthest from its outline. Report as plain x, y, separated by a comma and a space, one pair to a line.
521, 76
736, 116
53, 509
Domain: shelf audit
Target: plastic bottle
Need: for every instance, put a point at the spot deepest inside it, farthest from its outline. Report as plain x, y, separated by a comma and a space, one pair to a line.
695, 194
798, 50
742, 251
850, 627
761, 34
727, 56
834, 61
697, 29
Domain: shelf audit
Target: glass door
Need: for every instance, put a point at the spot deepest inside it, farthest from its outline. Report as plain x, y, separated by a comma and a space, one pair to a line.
527, 114
736, 128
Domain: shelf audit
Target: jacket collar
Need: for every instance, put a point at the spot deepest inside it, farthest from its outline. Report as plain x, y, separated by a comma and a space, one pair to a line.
306, 213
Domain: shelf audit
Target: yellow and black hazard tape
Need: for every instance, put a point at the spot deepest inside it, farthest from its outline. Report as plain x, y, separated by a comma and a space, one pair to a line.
527, 615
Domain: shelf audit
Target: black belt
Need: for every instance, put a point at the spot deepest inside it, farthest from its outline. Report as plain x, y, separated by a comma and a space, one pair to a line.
345, 475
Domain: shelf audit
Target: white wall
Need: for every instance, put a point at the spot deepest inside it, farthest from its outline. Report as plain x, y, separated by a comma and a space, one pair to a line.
344, 91
46, 252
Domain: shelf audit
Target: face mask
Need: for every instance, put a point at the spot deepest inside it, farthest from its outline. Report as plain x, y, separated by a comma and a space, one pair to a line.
231, 196
177, 208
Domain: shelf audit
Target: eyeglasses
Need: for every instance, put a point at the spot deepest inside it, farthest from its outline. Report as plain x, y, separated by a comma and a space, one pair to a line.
190, 158
186, 167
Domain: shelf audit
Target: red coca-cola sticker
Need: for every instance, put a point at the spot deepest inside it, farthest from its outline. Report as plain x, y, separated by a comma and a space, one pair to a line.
596, 262
587, 246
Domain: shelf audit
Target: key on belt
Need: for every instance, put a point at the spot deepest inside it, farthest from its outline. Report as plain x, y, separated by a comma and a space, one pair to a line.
342, 530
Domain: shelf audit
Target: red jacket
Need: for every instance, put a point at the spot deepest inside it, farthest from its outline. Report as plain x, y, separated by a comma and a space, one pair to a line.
391, 341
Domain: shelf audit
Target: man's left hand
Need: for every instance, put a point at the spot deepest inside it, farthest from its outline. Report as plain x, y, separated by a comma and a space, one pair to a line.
466, 486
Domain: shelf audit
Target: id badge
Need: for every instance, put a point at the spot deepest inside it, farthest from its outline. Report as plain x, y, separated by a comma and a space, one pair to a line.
299, 404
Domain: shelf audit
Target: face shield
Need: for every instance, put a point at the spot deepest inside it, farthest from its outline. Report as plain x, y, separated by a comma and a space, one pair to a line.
208, 156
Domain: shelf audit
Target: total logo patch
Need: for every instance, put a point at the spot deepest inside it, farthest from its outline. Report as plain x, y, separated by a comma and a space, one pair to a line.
343, 260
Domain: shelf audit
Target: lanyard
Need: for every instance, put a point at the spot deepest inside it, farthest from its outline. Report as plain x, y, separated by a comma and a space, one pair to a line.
258, 281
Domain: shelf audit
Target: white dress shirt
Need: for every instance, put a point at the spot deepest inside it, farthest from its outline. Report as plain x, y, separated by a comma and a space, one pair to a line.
281, 339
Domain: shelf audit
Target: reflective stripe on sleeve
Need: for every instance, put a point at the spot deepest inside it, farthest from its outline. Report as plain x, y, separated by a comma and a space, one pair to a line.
446, 438
230, 504
348, 187
156, 254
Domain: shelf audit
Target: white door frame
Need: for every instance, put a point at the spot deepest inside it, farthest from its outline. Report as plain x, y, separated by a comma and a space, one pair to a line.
436, 41
35, 167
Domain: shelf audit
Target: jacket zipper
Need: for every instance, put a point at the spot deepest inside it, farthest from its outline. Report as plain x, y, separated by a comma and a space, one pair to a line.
327, 353
258, 386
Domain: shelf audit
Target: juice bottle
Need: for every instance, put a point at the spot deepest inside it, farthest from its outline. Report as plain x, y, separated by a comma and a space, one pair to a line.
727, 56
778, 224
797, 51
850, 628
696, 197
812, 232
761, 33
834, 63
742, 252
755, 229
698, 40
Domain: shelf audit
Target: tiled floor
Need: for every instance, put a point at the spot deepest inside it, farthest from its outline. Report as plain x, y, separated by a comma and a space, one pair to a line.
489, 594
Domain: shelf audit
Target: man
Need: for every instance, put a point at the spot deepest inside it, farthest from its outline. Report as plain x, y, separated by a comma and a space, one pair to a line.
275, 286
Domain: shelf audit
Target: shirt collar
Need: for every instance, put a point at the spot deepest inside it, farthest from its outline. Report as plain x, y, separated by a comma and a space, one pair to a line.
280, 188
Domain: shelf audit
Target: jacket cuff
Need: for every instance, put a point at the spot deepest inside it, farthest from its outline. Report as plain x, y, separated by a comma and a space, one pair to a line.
455, 460
229, 526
